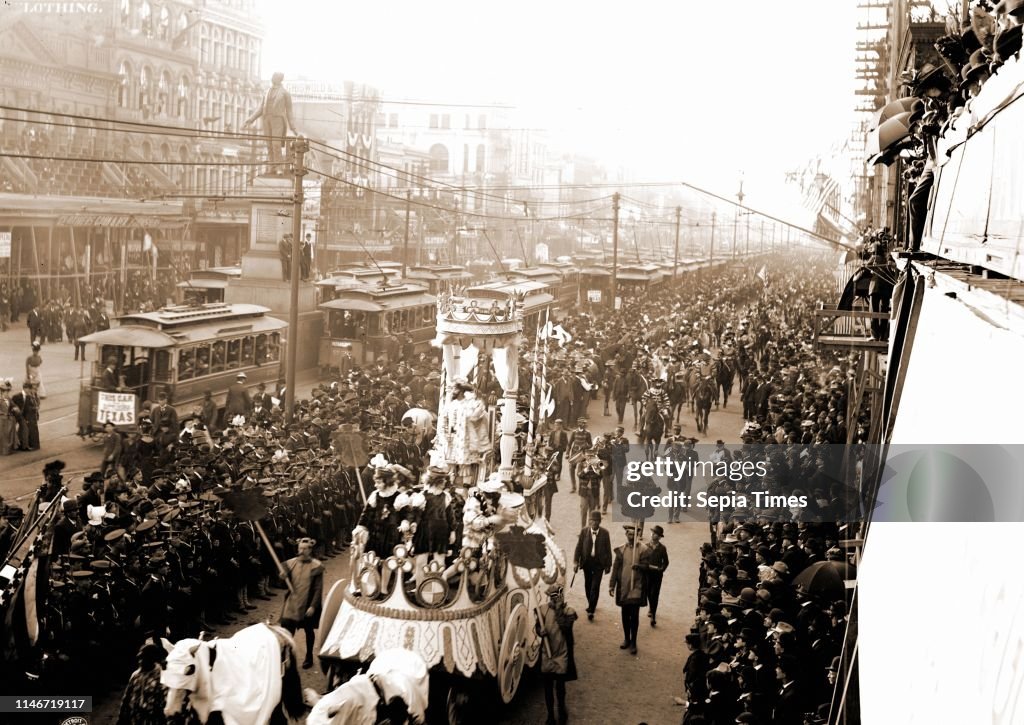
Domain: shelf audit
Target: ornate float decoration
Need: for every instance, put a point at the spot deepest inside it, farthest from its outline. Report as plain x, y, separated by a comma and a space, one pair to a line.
472, 617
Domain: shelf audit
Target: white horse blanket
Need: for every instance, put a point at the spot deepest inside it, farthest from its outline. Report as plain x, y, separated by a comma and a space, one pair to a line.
244, 684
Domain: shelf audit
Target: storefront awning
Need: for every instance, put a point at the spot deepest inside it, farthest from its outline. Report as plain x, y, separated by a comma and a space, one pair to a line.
121, 221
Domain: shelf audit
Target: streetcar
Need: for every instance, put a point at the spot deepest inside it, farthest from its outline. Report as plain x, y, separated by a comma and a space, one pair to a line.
183, 351
540, 297
370, 323
439, 277
206, 286
637, 280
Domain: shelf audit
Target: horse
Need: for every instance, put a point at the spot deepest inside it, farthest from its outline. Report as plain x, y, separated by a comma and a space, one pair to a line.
677, 395
724, 369
395, 689
703, 396
250, 677
693, 378
652, 428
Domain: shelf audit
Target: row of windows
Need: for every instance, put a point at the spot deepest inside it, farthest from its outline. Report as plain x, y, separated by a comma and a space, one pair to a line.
155, 95
439, 158
345, 324
222, 356
443, 120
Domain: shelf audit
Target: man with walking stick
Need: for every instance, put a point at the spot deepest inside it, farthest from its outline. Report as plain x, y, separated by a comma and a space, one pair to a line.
628, 584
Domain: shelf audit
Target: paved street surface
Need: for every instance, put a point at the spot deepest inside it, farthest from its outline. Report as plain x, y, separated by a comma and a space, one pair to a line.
613, 686
58, 426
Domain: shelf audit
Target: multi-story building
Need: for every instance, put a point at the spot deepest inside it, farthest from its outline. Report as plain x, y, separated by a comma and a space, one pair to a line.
177, 69
341, 118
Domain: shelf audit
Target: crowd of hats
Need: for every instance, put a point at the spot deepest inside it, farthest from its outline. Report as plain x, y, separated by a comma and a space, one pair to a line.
756, 629
795, 399
151, 546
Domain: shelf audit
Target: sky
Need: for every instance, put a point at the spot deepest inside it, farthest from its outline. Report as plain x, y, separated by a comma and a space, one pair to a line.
698, 91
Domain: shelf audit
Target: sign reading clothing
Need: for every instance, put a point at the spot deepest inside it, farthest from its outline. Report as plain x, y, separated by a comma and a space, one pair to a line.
118, 408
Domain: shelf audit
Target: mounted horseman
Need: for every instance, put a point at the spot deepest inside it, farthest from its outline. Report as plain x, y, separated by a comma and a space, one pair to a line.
655, 416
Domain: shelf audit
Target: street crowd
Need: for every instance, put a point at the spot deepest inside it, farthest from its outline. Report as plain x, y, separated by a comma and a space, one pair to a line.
147, 546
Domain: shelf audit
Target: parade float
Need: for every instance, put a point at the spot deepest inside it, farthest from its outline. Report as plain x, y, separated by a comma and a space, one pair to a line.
469, 614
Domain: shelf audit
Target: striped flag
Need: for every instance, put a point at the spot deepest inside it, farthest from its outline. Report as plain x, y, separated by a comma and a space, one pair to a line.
762, 274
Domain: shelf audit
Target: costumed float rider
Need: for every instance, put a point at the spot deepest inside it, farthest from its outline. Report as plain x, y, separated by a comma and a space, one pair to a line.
465, 427
483, 516
378, 527
435, 524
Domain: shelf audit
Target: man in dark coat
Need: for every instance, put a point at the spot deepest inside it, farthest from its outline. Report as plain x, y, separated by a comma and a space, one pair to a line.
238, 400
34, 320
789, 707
654, 563
628, 586
27, 404
164, 412
594, 556
695, 671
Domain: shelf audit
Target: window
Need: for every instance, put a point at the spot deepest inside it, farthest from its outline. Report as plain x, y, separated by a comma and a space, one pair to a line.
234, 354
465, 157
433, 120
248, 358
124, 73
481, 121
219, 357
446, 121
163, 93
163, 28
481, 155
146, 89
184, 89
187, 364
467, 121
393, 120
126, 13
181, 37
202, 360
439, 158
146, 18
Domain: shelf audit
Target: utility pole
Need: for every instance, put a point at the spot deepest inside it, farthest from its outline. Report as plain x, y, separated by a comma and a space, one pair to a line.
762, 236
615, 248
735, 224
711, 255
299, 148
675, 268
405, 244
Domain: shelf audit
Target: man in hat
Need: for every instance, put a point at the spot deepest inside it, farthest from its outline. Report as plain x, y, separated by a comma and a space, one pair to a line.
628, 585
109, 378
111, 447
590, 472
164, 412
593, 555
653, 563
262, 398
238, 401
580, 441
554, 625
25, 409
303, 601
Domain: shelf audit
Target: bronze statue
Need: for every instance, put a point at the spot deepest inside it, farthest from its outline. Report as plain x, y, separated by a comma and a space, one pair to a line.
276, 112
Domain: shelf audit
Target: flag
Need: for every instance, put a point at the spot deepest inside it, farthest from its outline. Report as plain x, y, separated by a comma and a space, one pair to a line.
763, 275
552, 331
249, 504
547, 402
21, 586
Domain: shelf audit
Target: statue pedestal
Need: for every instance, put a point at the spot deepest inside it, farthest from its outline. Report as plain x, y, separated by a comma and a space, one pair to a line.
262, 282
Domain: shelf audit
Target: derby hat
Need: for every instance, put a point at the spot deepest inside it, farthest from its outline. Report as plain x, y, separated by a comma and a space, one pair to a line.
658, 530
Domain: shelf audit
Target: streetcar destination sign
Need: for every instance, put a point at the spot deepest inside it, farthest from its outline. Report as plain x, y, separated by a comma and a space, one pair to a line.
117, 408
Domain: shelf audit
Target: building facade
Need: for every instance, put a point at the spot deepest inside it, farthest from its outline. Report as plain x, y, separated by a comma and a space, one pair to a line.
177, 70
